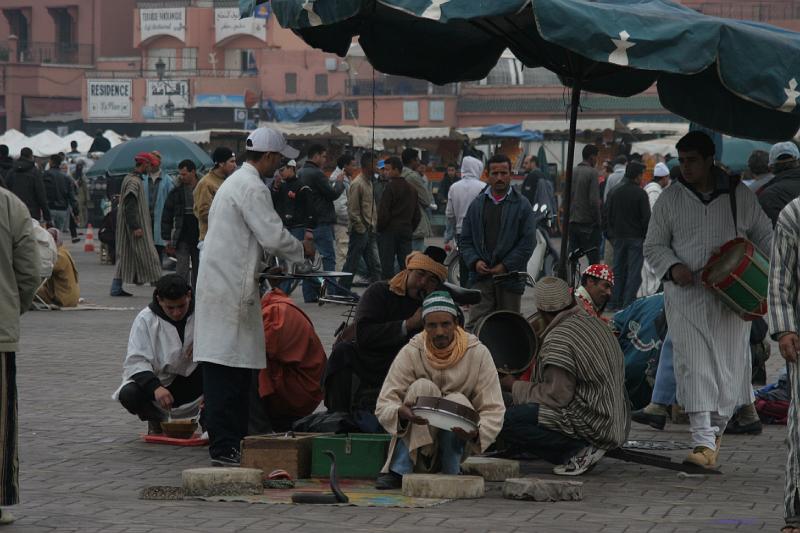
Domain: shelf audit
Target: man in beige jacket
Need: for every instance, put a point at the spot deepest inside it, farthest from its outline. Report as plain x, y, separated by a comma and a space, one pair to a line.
224, 165
362, 210
443, 361
19, 279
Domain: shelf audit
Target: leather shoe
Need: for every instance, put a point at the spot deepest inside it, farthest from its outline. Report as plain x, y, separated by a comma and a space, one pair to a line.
654, 421
735, 427
390, 481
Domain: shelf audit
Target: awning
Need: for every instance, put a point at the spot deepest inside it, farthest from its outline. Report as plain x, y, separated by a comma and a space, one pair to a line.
561, 126
307, 130
502, 131
659, 128
196, 136
363, 135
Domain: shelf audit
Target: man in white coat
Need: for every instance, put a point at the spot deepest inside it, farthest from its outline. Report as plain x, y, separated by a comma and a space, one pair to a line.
229, 334
692, 219
650, 281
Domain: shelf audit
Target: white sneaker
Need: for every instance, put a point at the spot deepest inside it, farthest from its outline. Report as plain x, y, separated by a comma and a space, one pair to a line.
581, 462
6, 517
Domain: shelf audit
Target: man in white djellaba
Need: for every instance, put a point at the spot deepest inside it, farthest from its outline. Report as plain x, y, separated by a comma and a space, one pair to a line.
692, 219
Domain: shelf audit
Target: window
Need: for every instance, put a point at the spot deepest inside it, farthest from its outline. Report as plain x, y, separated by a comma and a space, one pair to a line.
351, 109
321, 84
291, 82
240, 61
189, 59
436, 110
411, 111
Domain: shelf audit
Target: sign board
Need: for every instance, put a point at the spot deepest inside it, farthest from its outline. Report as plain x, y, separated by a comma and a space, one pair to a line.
159, 93
163, 21
239, 115
109, 99
227, 23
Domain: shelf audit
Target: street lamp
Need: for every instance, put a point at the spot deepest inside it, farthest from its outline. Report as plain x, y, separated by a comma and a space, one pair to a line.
169, 108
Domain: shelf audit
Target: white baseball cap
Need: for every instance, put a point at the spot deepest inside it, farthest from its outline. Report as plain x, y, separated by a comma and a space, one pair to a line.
269, 140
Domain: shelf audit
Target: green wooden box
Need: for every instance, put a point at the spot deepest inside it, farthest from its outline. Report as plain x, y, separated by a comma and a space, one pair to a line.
358, 455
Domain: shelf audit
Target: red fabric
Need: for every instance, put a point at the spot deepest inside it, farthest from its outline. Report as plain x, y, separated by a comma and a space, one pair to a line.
773, 411
291, 383
196, 440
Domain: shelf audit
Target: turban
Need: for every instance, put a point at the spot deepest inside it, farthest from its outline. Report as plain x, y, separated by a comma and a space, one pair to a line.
417, 261
145, 157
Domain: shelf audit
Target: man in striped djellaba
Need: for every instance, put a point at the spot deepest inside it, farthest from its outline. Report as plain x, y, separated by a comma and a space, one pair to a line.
693, 218
784, 278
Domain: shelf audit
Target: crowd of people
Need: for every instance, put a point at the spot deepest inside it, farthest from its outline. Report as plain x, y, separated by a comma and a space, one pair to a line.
638, 332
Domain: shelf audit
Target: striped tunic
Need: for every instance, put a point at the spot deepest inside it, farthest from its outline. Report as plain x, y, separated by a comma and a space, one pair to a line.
137, 260
585, 347
711, 342
784, 278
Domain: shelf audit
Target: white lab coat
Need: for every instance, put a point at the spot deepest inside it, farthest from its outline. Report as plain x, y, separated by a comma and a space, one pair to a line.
242, 224
155, 346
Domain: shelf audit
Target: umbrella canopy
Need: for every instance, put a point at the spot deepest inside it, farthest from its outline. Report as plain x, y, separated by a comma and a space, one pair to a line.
173, 150
709, 70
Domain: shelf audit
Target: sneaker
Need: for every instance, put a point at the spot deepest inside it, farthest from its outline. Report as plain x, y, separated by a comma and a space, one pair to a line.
121, 293
232, 458
702, 457
736, 427
390, 481
582, 462
6, 517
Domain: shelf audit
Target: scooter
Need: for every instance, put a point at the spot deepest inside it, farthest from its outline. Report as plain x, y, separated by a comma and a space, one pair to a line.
544, 259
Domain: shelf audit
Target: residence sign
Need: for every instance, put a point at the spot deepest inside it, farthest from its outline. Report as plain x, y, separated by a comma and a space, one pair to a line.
109, 99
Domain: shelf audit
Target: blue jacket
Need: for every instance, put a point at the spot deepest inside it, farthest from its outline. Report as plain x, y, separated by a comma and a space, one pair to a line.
515, 244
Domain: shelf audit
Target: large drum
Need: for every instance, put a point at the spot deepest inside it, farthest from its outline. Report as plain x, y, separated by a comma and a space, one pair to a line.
738, 274
510, 340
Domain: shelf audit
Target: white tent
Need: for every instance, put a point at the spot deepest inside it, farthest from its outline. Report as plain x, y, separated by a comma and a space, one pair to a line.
47, 143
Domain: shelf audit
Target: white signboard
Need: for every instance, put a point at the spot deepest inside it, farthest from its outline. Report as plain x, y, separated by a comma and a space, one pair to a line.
109, 99
227, 23
163, 21
160, 94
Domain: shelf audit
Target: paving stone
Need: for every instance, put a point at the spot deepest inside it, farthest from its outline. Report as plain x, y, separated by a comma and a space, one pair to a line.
542, 490
490, 468
216, 481
442, 486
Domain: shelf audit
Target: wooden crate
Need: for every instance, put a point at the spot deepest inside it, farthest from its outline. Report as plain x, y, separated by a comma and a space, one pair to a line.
290, 452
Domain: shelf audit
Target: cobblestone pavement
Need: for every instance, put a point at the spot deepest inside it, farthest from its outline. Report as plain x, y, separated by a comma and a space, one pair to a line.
83, 464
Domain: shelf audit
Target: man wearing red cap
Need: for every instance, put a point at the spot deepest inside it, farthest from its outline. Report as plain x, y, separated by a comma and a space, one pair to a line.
595, 290
137, 260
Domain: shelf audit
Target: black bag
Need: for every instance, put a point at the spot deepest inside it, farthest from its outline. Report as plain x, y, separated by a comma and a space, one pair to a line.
326, 423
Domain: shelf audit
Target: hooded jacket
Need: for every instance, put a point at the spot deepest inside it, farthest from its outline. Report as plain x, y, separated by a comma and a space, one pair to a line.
781, 190
25, 181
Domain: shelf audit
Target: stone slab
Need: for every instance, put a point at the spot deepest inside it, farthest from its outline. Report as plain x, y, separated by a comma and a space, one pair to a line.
442, 486
491, 469
222, 481
542, 490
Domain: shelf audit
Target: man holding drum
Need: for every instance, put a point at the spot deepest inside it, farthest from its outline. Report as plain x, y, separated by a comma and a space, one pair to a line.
443, 362
692, 220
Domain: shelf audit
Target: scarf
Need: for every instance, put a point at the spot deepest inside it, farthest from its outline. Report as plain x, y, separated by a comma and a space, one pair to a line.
444, 358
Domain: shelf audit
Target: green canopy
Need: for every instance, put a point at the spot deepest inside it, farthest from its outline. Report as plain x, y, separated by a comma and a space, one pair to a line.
709, 70
173, 150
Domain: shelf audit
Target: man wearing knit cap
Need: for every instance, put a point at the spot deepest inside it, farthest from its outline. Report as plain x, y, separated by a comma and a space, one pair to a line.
574, 408
389, 313
442, 361
597, 282
137, 260
224, 165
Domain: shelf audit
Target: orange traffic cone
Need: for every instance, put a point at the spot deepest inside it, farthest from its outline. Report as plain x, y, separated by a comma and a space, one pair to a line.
88, 245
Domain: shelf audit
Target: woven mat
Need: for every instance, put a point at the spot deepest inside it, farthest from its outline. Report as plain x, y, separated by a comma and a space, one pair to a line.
656, 445
362, 493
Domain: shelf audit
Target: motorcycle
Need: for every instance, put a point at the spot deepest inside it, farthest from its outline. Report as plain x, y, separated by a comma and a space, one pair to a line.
544, 259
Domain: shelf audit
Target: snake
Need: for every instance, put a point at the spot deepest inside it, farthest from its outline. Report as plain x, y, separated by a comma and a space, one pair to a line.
333, 497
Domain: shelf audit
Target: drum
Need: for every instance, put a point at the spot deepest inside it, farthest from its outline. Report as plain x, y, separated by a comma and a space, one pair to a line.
510, 339
446, 414
738, 274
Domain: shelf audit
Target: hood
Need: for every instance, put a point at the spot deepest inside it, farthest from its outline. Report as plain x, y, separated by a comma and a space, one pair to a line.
471, 168
417, 342
23, 165
155, 308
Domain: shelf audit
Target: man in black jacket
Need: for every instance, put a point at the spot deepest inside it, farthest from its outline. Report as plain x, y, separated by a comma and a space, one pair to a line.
322, 196
628, 214
179, 226
5, 163
100, 143
784, 162
25, 181
60, 196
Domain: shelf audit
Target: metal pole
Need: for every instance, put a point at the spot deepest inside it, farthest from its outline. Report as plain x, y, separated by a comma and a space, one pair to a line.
563, 272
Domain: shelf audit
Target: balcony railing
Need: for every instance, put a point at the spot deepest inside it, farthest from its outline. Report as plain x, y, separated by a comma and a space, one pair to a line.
173, 73
397, 86
52, 53
757, 10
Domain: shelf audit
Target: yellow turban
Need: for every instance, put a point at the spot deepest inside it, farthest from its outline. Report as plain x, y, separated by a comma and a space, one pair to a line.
416, 261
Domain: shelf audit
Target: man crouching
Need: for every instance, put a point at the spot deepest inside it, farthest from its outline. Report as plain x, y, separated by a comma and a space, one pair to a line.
159, 375
442, 361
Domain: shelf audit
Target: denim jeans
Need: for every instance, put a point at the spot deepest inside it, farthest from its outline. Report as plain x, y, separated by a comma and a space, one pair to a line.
324, 242
665, 387
450, 451
522, 433
60, 219
362, 245
116, 286
628, 260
